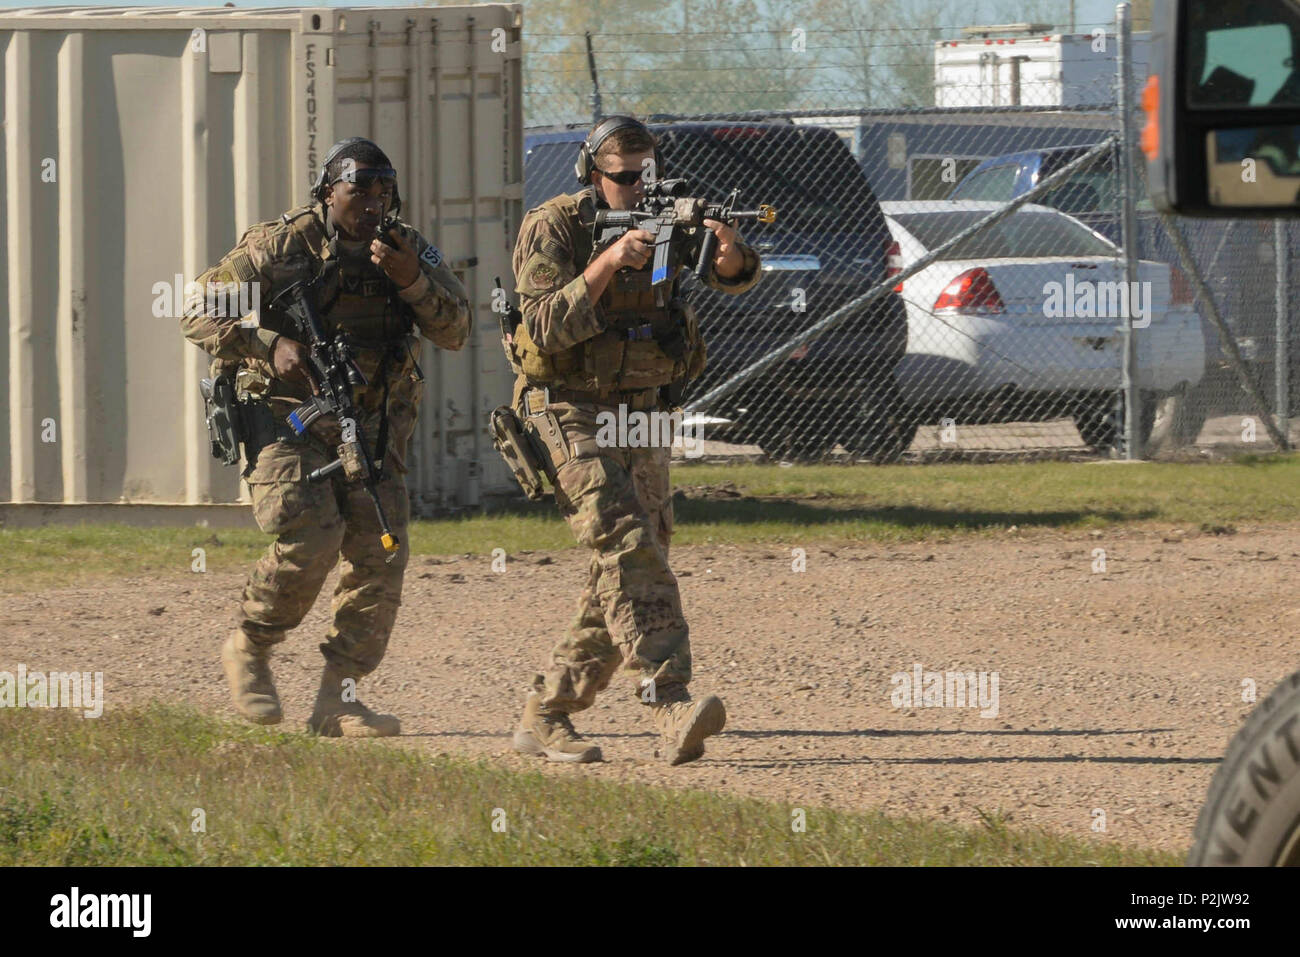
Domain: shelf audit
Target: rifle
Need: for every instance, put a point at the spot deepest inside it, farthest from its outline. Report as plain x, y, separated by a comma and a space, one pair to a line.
335, 370
677, 223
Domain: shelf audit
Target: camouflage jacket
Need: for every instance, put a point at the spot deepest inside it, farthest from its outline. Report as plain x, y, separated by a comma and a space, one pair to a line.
552, 250
273, 255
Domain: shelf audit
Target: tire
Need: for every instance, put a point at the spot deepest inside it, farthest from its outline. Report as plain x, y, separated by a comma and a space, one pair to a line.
1179, 417
1097, 421
790, 438
879, 428
1251, 815
799, 447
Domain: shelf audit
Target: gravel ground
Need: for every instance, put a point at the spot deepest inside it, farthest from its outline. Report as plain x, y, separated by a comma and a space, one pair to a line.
1118, 688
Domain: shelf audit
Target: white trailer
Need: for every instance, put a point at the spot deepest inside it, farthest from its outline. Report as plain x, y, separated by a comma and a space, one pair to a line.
1038, 69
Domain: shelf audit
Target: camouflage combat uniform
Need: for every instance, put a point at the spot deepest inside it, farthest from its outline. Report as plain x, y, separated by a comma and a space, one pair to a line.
618, 501
317, 524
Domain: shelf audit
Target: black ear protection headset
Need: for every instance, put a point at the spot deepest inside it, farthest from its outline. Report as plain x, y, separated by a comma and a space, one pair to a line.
586, 161
318, 188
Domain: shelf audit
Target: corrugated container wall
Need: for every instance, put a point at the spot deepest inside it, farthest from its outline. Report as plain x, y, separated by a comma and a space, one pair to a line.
138, 143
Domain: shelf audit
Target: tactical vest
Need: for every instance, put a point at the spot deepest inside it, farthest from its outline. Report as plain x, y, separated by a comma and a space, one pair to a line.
643, 345
358, 299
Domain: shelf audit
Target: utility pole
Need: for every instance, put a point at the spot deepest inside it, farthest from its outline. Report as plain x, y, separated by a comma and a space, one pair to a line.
594, 98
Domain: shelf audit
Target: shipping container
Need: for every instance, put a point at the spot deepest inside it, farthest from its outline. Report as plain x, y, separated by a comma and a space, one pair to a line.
1047, 69
137, 144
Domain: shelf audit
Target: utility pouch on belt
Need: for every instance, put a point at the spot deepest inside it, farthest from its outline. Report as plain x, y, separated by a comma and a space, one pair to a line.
517, 449
544, 429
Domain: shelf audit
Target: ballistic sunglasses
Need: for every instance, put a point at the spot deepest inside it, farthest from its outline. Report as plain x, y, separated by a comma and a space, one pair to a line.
627, 177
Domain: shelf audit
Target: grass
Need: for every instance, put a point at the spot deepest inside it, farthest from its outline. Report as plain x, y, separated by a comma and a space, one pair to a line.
772, 504
124, 789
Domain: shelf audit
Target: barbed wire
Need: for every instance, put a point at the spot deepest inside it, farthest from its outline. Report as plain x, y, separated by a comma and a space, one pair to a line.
583, 71
926, 51
741, 33
712, 91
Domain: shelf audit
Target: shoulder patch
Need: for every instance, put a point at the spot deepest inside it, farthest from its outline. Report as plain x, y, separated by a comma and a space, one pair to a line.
542, 275
431, 256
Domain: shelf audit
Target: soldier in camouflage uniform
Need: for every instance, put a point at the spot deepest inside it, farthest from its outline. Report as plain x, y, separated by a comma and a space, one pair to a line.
379, 296
593, 337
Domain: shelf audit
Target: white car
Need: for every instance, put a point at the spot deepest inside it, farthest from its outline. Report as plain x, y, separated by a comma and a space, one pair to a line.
1024, 320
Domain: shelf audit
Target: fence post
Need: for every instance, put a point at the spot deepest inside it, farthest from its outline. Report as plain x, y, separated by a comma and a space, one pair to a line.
1128, 200
1227, 341
1281, 351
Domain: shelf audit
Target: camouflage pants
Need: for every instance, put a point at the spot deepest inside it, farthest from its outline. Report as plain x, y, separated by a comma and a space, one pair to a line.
618, 502
317, 524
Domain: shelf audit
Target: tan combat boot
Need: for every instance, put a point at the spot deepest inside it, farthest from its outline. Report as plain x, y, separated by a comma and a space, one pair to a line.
248, 671
550, 734
685, 724
335, 717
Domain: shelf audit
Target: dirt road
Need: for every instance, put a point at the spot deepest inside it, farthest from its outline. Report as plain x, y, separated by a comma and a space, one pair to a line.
1117, 690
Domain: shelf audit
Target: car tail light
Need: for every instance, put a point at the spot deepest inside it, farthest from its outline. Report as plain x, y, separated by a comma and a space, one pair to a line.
739, 133
972, 291
894, 262
1180, 290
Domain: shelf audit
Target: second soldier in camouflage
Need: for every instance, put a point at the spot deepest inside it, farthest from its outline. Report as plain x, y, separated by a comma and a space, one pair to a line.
594, 338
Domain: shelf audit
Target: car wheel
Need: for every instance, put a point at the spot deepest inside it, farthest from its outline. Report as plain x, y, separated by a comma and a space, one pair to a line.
1100, 421
803, 438
1179, 417
1251, 814
880, 428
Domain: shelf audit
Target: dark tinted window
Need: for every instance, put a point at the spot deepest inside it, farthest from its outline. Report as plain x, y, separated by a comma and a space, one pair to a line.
992, 184
1092, 189
808, 174
1019, 236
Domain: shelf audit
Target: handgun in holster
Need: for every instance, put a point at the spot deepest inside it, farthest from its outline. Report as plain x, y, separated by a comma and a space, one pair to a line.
519, 450
233, 421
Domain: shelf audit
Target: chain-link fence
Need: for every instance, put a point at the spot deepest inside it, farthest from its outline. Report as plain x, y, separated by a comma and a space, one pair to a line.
873, 335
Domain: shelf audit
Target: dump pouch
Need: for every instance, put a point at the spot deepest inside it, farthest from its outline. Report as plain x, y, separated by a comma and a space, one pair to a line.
257, 425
